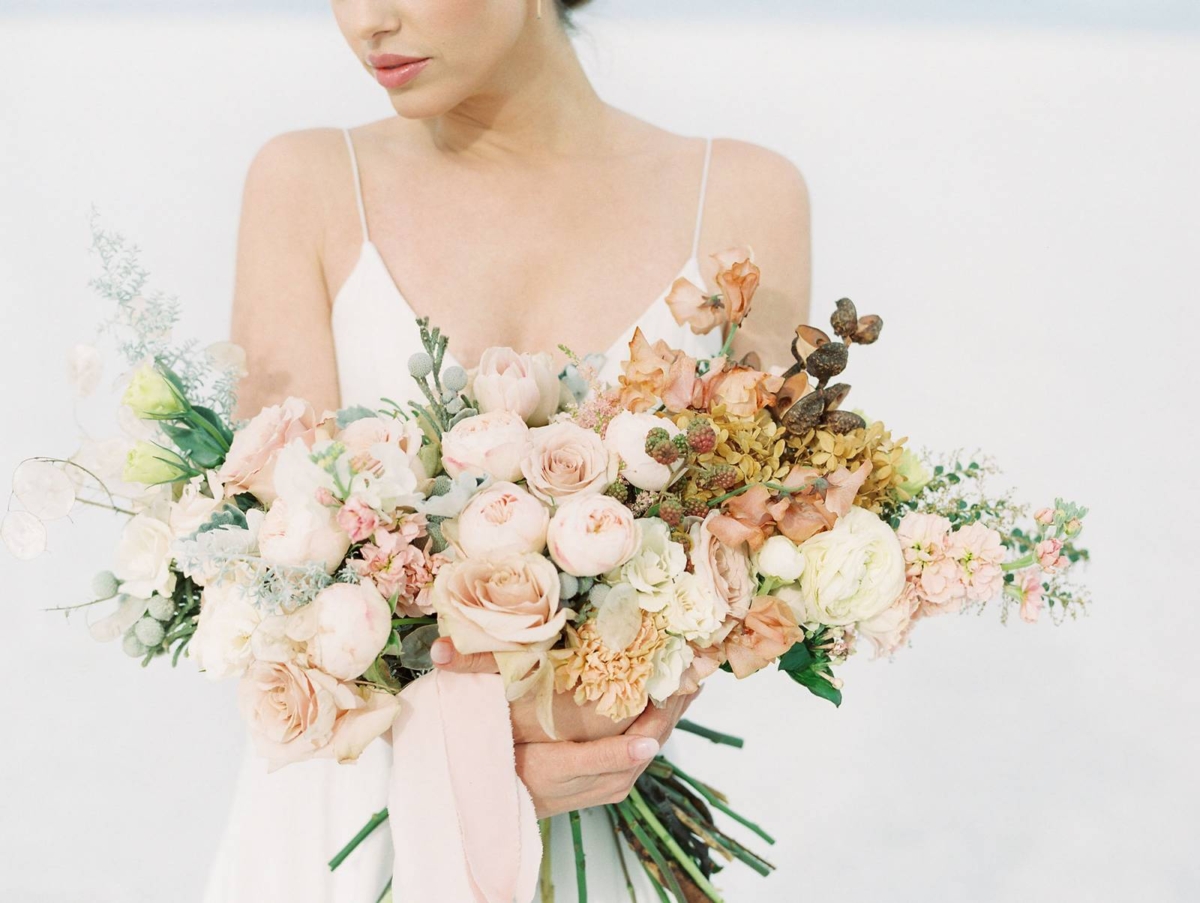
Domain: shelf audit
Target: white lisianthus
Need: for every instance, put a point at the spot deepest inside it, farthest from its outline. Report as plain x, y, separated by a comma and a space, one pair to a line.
655, 565
694, 612
144, 558
851, 573
780, 558
669, 662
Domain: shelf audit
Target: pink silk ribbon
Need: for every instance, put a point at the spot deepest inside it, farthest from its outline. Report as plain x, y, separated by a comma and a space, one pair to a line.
463, 825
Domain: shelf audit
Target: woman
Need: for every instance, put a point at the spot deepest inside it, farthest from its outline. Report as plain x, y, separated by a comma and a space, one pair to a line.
507, 202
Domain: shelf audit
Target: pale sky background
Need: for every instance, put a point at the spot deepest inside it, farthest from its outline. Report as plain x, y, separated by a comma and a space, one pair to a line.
1168, 15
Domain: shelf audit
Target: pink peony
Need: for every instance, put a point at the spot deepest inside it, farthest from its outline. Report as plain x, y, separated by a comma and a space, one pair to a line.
294, 535
487, 444
358, 519
525, 384
592, 535
352, 624
502, 520
250, 464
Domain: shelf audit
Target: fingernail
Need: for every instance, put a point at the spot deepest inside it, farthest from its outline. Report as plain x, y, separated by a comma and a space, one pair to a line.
643, 748
441, 652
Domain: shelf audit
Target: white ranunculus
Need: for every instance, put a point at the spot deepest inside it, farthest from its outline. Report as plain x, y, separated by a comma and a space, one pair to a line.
670, 661
851, 573
222, 645
144, 558
780, 558
626, 438
655, 565
694, 612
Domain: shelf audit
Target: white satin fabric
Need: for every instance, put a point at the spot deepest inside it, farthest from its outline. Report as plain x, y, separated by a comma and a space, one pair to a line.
284, 826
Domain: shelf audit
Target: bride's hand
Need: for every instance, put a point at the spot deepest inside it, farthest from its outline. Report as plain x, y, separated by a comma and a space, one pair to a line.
601, 762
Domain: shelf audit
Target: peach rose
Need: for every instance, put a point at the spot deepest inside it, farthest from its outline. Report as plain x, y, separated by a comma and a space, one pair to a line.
499, 605
293, 535
525, 384
352, 624
743, 391
250, 464
591, 535
725, 570
768, 631
625, 439
564, 460
502, 520
491, 443
297, 713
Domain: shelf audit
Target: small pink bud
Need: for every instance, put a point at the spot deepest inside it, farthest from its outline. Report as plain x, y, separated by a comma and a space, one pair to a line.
1044, 516
325, 497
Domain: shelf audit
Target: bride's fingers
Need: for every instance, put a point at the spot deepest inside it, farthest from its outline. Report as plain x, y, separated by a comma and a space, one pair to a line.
658, 722
447, 658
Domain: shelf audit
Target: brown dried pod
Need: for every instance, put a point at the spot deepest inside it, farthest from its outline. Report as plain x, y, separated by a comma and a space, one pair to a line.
751, 360
808, 339
827, 361
842, 422
835, 395
805, 414
845, 319
794, 386
868, 329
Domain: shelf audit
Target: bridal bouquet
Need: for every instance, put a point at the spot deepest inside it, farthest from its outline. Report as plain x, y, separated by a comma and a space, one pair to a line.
618, 543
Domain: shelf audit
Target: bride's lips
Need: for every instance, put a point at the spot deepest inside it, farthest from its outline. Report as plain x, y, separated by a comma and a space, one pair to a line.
392, 70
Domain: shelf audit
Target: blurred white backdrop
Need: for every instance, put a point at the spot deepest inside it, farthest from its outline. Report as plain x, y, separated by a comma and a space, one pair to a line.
1021, 205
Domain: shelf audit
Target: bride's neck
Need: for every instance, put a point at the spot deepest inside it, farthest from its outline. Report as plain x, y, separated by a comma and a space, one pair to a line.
541, 104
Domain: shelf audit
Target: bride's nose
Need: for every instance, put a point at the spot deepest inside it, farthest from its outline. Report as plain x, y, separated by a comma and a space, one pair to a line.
373, 19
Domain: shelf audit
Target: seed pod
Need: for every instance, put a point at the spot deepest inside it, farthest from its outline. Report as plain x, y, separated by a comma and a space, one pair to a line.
842, 422
835, 395
752, 360
845, 319
868, 329
808, 339
827, 361
805, 414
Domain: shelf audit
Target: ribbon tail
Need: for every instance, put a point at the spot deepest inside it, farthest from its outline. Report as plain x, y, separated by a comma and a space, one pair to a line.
463, 824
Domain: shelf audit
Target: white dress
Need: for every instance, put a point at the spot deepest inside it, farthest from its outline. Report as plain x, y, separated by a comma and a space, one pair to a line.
284, 827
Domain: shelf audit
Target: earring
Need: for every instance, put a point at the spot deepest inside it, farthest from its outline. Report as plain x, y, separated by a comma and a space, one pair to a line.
539, 8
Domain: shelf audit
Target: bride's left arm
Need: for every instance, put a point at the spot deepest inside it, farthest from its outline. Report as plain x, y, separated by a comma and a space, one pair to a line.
759, 198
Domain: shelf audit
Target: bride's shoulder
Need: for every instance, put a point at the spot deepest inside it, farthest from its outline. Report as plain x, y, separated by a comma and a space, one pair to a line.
744, 173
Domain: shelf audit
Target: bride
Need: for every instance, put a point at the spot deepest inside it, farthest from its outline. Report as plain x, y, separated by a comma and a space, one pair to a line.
509, 204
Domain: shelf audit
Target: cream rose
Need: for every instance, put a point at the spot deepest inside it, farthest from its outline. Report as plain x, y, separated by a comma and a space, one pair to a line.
296, 713
489, 443
591, 535
723, 570
499, 605
144, 558
851, 573
297, 534
502, 520
564, 461
625, 438
352, 624
250, 464
525, 384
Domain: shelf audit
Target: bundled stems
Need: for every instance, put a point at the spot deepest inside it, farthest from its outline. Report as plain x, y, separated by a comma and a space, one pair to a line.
580, 857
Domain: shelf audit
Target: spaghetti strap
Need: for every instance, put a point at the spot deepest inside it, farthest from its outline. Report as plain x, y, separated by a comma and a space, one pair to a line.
703, 191
362, 212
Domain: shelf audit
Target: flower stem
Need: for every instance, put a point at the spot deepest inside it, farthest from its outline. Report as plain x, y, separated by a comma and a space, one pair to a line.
610, 811
580, 856
546, 872
708, 734
669, 842
630, 815
713, 800
725, 348
1027, 560
376, 820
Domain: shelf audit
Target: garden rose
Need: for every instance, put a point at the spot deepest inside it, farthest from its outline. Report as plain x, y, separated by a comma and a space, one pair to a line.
490, 443
296, 713
724, 570
591, 535
851, 573
221, 645
768, 631
144, 558
250, 464
499, 605
626, 440
525, 384
352, 624
563, 461
296, 534
502, 520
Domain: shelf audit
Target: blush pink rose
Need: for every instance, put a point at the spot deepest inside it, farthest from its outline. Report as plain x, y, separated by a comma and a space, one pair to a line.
302, 534
724, 570
491, 443
297, 713
502, 520
563, 461
591, 535
358, 519
250, 464
352, 623
499, 605
525, 384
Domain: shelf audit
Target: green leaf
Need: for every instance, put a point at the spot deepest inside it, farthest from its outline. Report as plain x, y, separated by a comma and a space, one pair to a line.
798, 658
414, 649
380, 673
347, 416
817, 685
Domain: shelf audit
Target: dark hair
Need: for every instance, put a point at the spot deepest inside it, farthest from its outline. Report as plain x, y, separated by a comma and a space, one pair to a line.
571, 4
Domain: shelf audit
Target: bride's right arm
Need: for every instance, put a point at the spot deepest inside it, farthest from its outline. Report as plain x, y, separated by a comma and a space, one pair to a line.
281, 303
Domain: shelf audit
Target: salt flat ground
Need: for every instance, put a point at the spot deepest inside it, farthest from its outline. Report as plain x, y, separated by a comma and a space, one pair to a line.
1018, 205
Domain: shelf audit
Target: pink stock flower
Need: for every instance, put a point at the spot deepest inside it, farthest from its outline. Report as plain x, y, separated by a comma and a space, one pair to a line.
399, 568
889, 630
1031, 598
923, 537
1049, 555
358, 519
941, 586
979, 552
